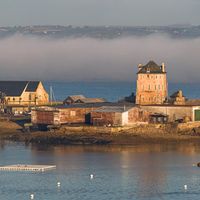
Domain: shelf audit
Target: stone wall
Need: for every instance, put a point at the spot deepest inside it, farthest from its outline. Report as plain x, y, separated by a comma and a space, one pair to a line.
189, 125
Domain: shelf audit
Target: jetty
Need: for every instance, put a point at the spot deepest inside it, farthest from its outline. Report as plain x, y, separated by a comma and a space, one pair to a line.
33, 168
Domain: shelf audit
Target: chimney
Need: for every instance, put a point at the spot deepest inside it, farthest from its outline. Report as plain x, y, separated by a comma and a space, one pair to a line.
139, 67
163, 67
180, 93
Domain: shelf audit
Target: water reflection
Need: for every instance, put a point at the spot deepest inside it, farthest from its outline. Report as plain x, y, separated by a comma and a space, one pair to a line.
121, 172
189, 148
2, 144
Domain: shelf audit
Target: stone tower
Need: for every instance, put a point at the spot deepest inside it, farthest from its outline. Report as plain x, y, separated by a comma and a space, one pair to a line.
152, 87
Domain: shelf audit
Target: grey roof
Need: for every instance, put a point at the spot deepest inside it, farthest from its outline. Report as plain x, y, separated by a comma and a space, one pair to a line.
91, 100
152, 68
92, 105
75, 97
113, 109
15, 88
193, 102
177, 93
32, 86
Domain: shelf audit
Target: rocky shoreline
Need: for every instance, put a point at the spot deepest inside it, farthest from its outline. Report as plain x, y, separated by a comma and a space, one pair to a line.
133, 136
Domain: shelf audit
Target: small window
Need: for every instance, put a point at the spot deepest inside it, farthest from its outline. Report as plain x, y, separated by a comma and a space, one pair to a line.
13, 99
72, 113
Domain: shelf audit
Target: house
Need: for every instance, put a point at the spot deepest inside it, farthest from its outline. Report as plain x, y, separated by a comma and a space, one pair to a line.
152, 87
23, 93
73, 98
118, 116
177, 98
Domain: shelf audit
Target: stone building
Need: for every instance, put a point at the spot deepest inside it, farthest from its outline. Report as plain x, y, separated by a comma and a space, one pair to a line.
152, 87
72, 99
177, 98
24, 93
76, 99
118, 116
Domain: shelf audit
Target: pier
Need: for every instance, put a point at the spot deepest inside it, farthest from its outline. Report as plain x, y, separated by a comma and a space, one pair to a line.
33, 168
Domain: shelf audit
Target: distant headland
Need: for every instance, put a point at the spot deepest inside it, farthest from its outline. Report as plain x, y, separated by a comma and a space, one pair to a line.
102, 32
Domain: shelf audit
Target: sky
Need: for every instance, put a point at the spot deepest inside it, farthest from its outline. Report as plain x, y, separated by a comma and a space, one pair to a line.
99, 12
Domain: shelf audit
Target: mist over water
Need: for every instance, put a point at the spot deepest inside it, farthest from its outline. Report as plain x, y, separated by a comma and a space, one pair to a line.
87, 59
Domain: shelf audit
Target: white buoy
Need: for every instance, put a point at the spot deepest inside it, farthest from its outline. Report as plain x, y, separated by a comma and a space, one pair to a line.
91, 176
32, 196
185, 187
58, 184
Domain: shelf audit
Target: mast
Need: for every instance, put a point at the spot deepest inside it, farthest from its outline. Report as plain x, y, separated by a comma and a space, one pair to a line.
52, 96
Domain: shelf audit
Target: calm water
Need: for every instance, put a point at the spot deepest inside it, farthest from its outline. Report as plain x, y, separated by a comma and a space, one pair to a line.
140, 172
112, 91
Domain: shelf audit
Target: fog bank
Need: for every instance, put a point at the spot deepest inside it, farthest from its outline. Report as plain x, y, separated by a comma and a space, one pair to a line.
86, 59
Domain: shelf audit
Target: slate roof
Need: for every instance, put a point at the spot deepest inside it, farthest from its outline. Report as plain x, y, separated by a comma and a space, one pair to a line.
88, 105
32, 86
75, 97
113, 109
91, 100
193, 102
16, 88
151, 68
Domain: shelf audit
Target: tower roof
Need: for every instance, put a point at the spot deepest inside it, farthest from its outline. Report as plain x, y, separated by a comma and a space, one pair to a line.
151, 68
